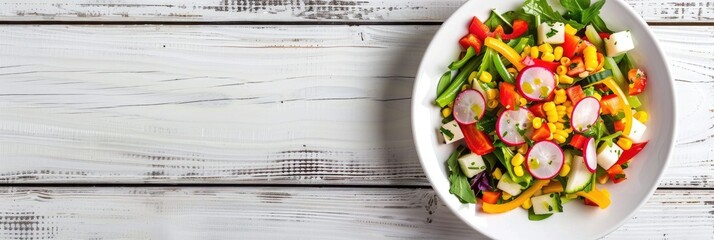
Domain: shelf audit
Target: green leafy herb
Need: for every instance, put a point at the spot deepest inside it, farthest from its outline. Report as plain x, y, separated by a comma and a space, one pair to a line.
551, 33
619, 176
459, 183
447, 119
625, 165
542, 9
550, 208
447, 133
522, 132
600, 25
487, 124
609, 138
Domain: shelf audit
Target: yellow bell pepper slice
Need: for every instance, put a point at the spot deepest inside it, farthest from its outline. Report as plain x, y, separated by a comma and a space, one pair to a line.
506, 51
612, 85
505, 207
601, 198
553, 187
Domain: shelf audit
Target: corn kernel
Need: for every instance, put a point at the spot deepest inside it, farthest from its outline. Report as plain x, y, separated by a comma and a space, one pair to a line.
493, 103
558, 138
548, 57
534, 52
523, 102
560, 108
641, 116
464, 87
551, 126
561, 132
451, 105
517, 159
561, 70
526, 204
485, 77
564, 171
518, 170
624, 143
560, 99
558, 53
492, 94
497, 174
523, 149
560, 126
564, 61
545, 48
570, 29
527, 49
537, 122
602, 179
597, 96
446, 112
512, 71
549, 106
506, 196
525, 54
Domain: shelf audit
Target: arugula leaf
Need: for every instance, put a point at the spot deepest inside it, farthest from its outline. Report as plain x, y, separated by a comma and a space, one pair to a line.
609, 138
591, 12
600, 25
460, 186
583, 3
487, 124
542, 8
536, 217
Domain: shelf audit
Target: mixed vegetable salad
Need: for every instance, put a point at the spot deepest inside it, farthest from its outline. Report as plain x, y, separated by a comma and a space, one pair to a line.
547, 106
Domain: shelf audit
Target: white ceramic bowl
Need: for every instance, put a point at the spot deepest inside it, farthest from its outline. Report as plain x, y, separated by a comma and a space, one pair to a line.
577, 221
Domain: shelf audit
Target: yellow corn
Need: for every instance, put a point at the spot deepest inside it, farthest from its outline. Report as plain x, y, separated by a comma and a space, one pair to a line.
545, 48
602, 179
523, 102
560, 99
525, 54
564, 61
485, 77
548, 106
497, 174
512, 71
517, 160
534, 52
564, 171
560, 108
526, 204
518, 170
537, 122
464, 87
560, 126
523, 149
569, 130
561, 70
641, 116
558, 138
561, 132
493, 103
492, 94
506, 196
624, 143
446, 111
570, 29
548, 57
558, 53
552, 128
565, 79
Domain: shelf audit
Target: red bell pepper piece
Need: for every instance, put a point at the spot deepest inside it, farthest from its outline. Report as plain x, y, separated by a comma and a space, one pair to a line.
578, 141
482, 31
541, 134
528, 61
630, 153
590, 203
477, 141
471, 40
575, 93
576, 66
490, 197
508, 95
619, 125
570, 45
611, 104
638, 81
537, 110
617, 174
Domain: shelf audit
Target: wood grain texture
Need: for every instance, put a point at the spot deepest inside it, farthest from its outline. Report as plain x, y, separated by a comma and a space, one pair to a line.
253, 104
294, 213
295, 10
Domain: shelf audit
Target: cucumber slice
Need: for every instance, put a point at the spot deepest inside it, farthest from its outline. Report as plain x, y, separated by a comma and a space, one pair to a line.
546, 204
579, 176
596, 77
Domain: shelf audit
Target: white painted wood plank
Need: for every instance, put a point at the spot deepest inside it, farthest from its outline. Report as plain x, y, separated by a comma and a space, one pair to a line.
303, 10
253, 104
291, 213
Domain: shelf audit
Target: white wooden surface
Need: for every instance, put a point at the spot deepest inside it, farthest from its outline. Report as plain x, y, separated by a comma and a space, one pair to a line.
256, 99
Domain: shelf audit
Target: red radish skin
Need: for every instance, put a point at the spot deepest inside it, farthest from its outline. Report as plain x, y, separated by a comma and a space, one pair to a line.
586, 111
528, 75
554, 171
527, 126
463, 112
590, 155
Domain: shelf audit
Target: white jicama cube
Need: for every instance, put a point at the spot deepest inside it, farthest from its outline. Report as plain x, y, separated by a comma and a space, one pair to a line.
608, 155
619, 43
637, 132
552, 33
545, 204
507, 185
471, 164
451, 132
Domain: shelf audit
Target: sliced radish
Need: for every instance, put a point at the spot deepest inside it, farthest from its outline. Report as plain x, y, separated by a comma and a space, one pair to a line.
590, 155
536, 83
585, 113
469, 106
510, 122
544, 160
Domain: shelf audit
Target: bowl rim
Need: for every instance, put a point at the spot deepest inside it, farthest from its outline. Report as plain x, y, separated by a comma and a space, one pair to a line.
667, 159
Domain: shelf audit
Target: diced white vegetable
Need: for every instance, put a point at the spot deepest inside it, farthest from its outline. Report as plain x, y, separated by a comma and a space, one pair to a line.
471, 164
553, 33
619, 43
608, 155
546, 204
451, 132
507, 185
637, 132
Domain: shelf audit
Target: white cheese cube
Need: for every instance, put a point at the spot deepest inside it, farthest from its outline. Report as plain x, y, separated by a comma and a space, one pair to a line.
451, 132
507, 185
608, 155
637, 132
471, 164
619, 43
553, 33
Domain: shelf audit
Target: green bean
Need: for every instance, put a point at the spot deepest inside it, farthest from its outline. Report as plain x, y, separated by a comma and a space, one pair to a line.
454, 88
616, 73
460, 63
501, 69
444, 82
